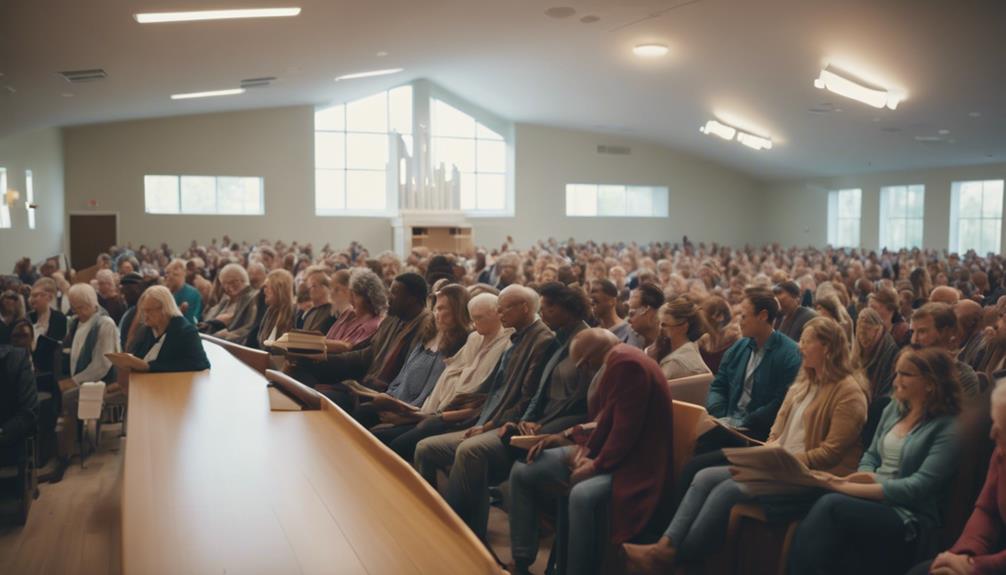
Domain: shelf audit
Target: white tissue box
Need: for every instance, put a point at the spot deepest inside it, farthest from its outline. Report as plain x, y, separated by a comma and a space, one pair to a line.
92, 395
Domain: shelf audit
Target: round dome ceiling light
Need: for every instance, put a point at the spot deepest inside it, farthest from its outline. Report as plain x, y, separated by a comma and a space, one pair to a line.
650, 50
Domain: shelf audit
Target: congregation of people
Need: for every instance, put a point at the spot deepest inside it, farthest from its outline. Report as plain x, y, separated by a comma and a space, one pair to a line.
876, 371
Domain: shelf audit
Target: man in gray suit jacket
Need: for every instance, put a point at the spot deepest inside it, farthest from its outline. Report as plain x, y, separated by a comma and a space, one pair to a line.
794, 316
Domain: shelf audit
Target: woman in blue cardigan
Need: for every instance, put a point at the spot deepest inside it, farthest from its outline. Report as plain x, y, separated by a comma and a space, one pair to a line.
174, 343
893, 503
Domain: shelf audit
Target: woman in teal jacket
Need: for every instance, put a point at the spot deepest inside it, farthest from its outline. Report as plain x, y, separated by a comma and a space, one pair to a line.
893, 503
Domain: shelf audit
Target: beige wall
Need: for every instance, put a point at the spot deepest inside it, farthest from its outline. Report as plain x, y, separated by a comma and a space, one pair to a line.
798, 210
107, 162
42, 153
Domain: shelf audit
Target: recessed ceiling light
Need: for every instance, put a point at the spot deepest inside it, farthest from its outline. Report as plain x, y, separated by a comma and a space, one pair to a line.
210, 94
382, 54
834, 81
975, 114
67, 94
370, 74
157, 17
722, 130
650, 50
943, 132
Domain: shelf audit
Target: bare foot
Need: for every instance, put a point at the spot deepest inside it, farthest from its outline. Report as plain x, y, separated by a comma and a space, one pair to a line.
648, 559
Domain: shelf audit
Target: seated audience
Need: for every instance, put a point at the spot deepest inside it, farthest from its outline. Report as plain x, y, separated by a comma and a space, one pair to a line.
358, 323
173, 343
873, 354
722, 333
603, 302
682, 323
754, 376
438, 340
792, 315
189, 301
617, 479
234, 315
819, 423
882, 513
831, 307
455, 400
279, 310
376, 363
46, 320
935, 325
91, 335
644, 302
131, 331
509, 389
109, 298
980, 549
945, 294
11, 310
970, 339
319, 316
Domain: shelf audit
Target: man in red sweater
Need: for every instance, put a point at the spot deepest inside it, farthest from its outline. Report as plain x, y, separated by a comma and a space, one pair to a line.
617, 477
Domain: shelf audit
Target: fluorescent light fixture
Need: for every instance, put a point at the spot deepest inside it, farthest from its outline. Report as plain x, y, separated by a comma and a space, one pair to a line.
722, 130
157, 17
650, 50
369, 74
754, 142
210, 94
833, 81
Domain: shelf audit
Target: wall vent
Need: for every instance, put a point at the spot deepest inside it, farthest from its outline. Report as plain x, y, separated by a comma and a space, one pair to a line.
79, 76
614, 150
258, 82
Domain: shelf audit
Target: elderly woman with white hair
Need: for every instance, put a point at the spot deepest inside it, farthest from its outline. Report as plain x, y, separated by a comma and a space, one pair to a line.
234, 316
173, 343
91, 335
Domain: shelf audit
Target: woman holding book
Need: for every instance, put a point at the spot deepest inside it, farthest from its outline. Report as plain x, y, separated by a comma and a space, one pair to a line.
440, 339
819, 424
172, 343
892, 505
358, 323
980, 549
281, 307
682, 323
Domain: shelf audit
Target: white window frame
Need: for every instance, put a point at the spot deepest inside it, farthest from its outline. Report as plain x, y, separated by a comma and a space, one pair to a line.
29, 201
5, 219
216, 184
955, 217
888, 214
835, 220
660, 201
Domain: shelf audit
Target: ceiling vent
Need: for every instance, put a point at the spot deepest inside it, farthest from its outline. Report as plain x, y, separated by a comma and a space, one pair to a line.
79, 76
258, 82
614, 150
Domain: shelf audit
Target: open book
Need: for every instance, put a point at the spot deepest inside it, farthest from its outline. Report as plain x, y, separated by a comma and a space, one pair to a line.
771, 470
708, 422
525, 441
381, 400
127, 361
300, 342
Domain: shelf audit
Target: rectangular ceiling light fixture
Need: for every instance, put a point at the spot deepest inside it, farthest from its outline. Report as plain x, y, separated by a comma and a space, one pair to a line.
370, 74
210, 94
754, 142
841, 84
158, 17
722, 130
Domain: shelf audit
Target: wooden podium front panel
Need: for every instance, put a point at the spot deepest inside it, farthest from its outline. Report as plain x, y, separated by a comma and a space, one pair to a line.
216, 483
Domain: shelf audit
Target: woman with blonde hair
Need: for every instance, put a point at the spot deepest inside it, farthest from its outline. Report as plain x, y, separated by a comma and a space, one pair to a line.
819, 424
830, 307
172, 344
281, 307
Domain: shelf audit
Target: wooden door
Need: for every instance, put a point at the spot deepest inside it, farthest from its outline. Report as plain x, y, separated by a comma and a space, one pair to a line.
90, 235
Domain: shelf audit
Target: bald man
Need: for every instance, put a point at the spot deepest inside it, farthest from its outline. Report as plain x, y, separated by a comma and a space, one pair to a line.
618, 475
970, 338
945, 294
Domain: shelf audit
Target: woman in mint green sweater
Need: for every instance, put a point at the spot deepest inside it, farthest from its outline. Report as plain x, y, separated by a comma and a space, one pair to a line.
893, 502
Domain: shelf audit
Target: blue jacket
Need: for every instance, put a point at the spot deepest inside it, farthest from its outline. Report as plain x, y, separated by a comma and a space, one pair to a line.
929, 460
772, 378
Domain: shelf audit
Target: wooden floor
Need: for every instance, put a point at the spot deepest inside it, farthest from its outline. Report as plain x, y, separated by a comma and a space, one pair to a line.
75, 525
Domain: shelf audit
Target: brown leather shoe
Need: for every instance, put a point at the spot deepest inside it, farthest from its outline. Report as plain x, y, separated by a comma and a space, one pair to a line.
648, 559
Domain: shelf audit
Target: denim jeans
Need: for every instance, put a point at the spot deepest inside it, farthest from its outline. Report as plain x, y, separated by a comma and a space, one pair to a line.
700, 523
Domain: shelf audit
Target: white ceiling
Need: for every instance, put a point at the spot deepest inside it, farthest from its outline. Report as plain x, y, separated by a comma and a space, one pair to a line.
750, 62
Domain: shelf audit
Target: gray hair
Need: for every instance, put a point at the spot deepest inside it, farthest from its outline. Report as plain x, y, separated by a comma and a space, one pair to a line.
486, 301
163, 297
105, 274
234, 270
83, 293
367, 285
174, 264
